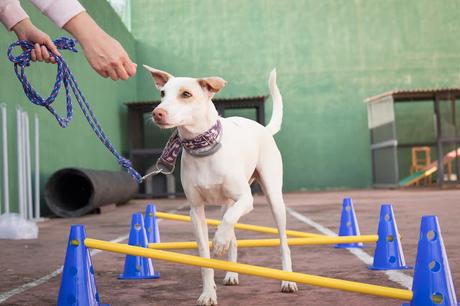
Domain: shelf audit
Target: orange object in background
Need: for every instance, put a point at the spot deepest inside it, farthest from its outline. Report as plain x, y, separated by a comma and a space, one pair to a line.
421, 159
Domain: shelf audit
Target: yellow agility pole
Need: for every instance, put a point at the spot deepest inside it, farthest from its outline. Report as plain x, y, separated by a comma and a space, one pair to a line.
254, 243
197, 261
240, 226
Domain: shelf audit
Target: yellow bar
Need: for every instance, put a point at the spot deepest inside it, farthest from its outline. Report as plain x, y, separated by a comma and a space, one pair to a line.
240, 226
254, 243
191, 260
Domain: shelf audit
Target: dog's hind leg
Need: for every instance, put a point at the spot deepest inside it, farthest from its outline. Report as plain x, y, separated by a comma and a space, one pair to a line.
208, 296
270, 176
231, 278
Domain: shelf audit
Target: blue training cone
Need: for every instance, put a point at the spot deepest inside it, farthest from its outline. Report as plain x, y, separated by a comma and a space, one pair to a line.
348, 224
388, 253
137, 267
151, 224
78, 285
432, 278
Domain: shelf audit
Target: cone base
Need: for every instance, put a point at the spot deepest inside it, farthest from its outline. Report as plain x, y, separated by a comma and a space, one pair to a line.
392, 268
409, 304
154, 276
349, 246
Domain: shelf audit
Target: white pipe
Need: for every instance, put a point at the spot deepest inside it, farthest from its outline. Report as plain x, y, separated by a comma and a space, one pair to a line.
37, 168
28, 172
19, 157
23, 167
6, 188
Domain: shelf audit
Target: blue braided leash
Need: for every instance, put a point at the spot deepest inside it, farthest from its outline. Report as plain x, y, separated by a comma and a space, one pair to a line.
64, 76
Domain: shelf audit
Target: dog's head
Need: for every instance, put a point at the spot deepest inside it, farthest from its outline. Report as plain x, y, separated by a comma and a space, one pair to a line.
183, 100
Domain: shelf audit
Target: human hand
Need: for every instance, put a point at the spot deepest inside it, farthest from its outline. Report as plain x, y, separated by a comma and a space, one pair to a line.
25, 30
108, 57
103, 53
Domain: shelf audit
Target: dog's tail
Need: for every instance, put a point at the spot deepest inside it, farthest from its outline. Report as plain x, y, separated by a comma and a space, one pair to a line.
277, 114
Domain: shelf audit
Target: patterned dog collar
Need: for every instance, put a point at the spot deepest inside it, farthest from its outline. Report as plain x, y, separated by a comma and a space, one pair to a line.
203, 145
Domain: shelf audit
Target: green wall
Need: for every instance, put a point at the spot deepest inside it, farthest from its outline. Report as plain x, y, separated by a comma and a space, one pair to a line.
77, 145
330, 55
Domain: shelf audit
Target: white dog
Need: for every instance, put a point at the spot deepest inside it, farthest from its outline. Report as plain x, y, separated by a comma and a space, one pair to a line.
221, 158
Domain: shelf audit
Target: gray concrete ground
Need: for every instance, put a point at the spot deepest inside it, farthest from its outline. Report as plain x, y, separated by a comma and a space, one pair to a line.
25, 262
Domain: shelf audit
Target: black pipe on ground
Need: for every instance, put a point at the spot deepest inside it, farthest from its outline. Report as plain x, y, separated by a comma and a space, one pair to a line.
74, 192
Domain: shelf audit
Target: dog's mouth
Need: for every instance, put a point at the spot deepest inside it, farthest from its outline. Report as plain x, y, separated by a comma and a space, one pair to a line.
164, 125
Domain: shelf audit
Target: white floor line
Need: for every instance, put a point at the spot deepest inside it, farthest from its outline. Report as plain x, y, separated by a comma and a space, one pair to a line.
8, 294
393, 275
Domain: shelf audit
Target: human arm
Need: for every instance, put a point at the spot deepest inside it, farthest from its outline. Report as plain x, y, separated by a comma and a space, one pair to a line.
14, 18
103, 53
11, 13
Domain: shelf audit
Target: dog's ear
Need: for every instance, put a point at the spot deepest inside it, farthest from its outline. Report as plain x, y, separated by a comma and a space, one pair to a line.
160, 77
212, 85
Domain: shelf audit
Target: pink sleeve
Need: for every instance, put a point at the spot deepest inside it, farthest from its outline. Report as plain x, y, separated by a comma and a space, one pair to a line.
59, 11
11, 13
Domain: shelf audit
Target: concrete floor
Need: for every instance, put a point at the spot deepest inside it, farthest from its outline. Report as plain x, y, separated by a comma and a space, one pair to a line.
26, 267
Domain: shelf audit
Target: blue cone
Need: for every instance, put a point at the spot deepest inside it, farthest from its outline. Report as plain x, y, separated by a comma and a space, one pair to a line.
388, 253
432, 278
137, 267
151, 224
78, 285
348, 224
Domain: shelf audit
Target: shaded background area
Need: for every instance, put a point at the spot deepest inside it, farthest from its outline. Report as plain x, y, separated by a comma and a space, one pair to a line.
330, 55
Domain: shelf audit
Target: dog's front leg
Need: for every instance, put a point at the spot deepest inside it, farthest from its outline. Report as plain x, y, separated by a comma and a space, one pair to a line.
208, 296
226, 232
231, 278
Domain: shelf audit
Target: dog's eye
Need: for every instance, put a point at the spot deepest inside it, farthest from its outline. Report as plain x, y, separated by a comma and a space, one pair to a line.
162, 93
186, 94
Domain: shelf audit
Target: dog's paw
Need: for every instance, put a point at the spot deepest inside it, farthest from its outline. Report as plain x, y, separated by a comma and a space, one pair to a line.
288, 287
221, 241
207, 298
231, 279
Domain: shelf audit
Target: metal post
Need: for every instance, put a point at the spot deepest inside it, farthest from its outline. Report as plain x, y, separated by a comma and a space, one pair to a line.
19, 142
6, 195
456, 144
439, 150
27, 172
37, 168
260, 112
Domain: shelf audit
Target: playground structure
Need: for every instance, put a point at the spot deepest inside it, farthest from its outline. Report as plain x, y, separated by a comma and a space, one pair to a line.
432, 281
386, 142
422, 174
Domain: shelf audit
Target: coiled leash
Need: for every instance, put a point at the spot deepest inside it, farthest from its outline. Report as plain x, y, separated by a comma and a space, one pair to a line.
64, 76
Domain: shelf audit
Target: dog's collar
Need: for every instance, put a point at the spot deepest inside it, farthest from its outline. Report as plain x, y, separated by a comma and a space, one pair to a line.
203, 145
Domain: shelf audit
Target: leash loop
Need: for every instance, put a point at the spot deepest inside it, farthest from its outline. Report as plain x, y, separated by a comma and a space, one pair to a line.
64, 77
